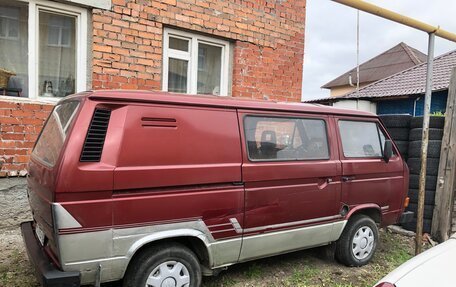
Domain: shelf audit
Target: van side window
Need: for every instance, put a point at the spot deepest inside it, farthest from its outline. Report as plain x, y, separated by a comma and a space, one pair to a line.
284, 139
361, 139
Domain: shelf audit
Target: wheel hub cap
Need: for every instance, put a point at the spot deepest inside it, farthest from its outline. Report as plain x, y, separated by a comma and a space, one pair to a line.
363, 243
169, 282
169, 274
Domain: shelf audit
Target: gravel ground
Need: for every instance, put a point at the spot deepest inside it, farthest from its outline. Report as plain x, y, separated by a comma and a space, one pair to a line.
305, 268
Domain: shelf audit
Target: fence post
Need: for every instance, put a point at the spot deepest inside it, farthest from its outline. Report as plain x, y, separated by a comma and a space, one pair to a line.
446, 180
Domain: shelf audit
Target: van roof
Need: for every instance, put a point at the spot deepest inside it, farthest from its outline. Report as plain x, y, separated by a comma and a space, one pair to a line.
214, 101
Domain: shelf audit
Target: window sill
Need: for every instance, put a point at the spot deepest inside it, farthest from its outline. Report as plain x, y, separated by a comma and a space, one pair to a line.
102, 4
43, 101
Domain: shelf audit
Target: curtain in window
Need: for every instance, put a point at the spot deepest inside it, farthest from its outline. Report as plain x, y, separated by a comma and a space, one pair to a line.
209, 69
57, 54
177, 76
14, 44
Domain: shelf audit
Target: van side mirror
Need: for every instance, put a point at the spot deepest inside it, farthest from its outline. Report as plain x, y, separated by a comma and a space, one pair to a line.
387, 150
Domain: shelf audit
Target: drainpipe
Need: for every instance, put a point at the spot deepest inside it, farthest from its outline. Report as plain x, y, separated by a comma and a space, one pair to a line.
414, 106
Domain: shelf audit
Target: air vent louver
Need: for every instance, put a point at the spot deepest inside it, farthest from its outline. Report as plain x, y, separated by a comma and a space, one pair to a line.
93, 145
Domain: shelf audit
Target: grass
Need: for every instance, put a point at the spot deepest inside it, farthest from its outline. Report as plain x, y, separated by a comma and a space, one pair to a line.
15, 271
312, 268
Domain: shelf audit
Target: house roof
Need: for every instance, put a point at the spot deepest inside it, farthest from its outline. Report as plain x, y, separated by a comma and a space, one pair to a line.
394, 60
409, 82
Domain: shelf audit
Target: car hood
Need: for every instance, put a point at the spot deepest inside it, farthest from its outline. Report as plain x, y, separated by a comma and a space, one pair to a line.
434, 267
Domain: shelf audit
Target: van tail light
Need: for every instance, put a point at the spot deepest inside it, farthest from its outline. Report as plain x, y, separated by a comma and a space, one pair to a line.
385, 284
406, 202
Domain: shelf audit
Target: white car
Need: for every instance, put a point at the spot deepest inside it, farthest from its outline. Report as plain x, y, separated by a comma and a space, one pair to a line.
434, 267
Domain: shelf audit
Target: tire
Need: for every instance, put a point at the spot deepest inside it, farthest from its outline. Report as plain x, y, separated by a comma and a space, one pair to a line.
399, 134
396, 121
427, 225
149, 261
403, 147
429, 196
432, 168
434, 122
434, 148
431, 182
434, 134
368, 244
428, 210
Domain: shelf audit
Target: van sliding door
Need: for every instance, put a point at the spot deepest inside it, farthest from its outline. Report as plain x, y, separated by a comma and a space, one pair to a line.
291, 172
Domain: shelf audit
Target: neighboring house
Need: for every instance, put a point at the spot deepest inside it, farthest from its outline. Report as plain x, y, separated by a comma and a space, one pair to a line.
392, 61
402, 93
247, 48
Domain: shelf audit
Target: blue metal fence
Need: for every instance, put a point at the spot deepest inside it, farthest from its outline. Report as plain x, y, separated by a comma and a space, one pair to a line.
408, 106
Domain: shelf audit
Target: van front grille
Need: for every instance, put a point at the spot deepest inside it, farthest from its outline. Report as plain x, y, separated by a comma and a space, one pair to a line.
93, 145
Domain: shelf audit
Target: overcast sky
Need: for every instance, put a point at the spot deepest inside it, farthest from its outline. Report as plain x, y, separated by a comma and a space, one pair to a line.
330, 44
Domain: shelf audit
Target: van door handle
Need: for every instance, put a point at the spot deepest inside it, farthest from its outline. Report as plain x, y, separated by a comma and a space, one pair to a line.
324, 182
348, 178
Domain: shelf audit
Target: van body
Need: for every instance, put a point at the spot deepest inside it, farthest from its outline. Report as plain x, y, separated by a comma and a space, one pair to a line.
117, 176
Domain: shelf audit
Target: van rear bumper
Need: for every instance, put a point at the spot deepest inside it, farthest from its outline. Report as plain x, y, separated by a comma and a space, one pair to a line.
47, 273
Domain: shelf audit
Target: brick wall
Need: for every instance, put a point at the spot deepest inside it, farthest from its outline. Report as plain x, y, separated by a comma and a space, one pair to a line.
21, 122
268, 36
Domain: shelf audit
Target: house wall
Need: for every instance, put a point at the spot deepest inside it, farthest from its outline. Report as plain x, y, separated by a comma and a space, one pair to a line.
343, 90
407, 106
268, 38
21, 122
360, 105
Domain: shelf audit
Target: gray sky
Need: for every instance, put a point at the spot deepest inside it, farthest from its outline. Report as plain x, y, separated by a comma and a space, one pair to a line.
330, 44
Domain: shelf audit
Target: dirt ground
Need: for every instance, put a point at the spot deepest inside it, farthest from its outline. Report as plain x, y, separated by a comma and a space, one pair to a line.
305, 268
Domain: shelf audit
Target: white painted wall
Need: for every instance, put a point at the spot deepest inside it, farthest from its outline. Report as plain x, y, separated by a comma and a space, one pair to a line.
360, 105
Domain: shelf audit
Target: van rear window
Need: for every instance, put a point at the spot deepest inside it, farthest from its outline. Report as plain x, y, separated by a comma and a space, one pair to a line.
54, 133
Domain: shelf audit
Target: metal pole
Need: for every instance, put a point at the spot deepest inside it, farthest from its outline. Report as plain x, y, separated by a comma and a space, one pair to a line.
424, 146
396, 17
357, 52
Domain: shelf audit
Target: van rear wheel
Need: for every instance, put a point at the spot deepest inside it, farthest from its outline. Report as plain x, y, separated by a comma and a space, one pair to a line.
170, 265
358, 241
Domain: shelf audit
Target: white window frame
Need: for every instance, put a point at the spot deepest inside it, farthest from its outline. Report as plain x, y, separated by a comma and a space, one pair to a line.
34, 7
192, 57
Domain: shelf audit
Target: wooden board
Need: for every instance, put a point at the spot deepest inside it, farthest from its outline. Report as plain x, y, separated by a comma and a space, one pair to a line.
442, 223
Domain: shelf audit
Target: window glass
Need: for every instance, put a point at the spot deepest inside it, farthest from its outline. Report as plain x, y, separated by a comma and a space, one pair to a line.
195, 64
177, 75
57, 54
178, 44
360, 139
50, 142
14, 46
270, 138
209, 69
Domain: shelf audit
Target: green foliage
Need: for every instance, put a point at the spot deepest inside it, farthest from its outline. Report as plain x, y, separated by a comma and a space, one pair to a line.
438, 114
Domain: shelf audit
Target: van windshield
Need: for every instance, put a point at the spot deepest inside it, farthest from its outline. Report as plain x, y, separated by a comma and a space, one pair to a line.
52, 138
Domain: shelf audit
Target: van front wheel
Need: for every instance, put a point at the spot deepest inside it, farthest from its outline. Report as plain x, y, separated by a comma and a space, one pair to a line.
171, 265
358, 242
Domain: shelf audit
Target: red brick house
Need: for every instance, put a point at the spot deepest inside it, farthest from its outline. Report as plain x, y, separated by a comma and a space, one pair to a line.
242, 48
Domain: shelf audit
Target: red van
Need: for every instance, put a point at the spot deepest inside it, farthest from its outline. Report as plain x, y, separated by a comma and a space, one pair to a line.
159, 189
